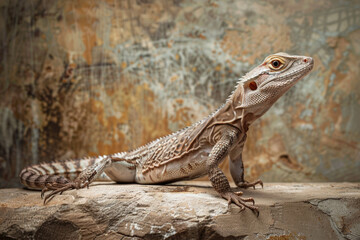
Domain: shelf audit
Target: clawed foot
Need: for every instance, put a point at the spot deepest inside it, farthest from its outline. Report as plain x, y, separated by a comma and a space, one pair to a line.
59, 188
56, 188
234, 197
247, 184
83, 180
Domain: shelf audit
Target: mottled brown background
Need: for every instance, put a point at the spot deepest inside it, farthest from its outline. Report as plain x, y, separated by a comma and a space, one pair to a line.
142, 69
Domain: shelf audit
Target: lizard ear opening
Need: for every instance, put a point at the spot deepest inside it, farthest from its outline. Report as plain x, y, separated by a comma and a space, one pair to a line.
253, 85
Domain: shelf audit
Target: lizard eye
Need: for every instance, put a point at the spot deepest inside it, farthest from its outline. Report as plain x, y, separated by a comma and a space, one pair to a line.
276, 64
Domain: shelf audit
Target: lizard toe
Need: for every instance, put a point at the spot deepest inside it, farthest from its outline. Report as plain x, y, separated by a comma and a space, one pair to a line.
56, 188
247, 184
232, 197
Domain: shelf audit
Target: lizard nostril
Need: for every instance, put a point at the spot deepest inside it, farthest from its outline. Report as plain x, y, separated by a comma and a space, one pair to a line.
305, 60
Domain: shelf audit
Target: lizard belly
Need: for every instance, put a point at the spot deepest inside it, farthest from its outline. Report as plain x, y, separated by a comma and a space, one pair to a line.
121, 171
189, 166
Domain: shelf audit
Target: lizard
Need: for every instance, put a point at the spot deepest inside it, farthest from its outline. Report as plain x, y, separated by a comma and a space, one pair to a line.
194, 151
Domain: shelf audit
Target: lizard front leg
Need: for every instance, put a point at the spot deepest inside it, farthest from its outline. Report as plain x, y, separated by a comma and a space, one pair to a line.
217, 177
84, 179
237, 169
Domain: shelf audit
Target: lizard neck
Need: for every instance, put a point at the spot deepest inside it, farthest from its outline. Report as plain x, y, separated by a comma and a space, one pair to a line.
234, 112
246, 112
238, 104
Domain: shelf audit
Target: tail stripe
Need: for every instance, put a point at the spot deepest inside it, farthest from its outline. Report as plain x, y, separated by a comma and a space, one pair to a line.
45, 170
25, 175
54, 166
31, 180
50, 169
36, 171
62, 179
77, 165
37, 176
52, 178
39, 181
23, 172
66, 168
46, 180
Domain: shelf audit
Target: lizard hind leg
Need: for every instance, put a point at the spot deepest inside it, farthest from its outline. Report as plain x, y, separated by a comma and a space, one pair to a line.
84, 179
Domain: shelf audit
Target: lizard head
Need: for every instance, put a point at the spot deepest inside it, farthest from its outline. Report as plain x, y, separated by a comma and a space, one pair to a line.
270, 80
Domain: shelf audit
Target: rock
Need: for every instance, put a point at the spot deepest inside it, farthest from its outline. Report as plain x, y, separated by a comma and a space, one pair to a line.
185, 210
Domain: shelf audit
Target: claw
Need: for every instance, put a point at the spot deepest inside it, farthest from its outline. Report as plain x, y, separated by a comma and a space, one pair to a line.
234, 197
48, 198
45, 189
242, 208
257, 212
43, 192
261, 183
239, 193
249, 200
247, 184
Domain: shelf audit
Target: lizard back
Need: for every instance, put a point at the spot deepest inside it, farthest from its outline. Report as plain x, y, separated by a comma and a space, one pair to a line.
177, 145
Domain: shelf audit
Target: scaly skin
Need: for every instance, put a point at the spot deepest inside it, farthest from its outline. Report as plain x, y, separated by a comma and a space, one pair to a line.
191, 152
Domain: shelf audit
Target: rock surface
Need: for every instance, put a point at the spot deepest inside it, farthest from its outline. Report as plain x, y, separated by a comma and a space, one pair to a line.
185, 210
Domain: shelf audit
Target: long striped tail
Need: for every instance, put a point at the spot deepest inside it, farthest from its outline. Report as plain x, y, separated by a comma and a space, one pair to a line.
61, 172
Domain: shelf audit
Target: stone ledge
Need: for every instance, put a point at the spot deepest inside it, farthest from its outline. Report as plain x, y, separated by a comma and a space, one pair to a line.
185, 210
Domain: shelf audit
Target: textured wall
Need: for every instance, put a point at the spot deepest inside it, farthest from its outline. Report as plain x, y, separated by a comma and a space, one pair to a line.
95, 77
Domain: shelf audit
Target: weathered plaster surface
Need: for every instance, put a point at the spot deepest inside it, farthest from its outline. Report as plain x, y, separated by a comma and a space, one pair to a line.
95, 77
